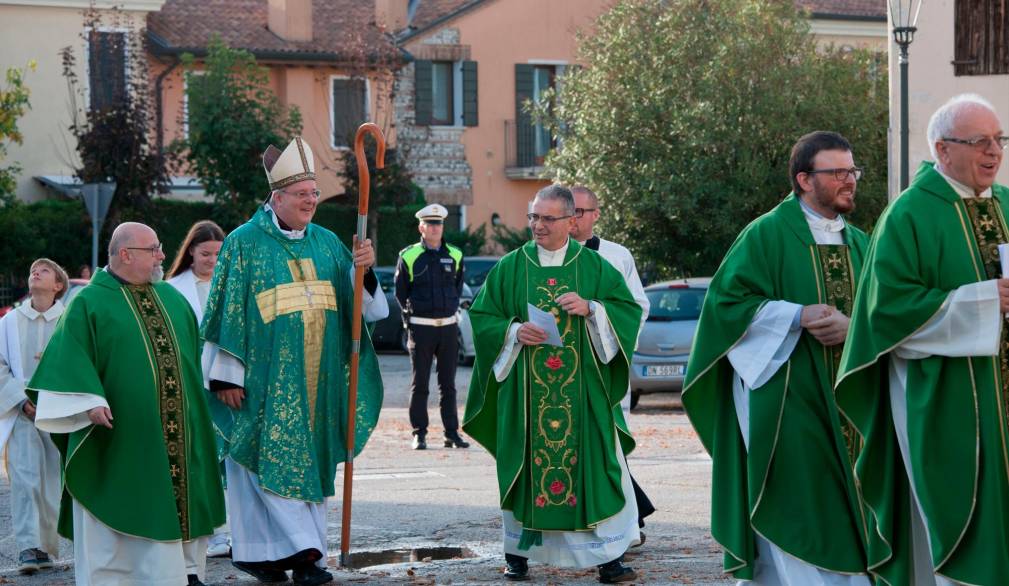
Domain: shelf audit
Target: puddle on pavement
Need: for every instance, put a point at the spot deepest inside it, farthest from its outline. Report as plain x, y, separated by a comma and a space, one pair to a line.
365, 559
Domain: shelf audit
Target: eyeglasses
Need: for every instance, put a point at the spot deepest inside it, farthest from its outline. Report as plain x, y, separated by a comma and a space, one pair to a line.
579, 212
548, 220
151, 249
980, 143
840, 174
314, 193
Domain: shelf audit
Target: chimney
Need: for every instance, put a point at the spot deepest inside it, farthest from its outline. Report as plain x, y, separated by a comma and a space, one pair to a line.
291, 20
391, 15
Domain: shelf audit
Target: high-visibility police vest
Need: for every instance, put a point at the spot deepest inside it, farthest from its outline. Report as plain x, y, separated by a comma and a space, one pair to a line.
432, 275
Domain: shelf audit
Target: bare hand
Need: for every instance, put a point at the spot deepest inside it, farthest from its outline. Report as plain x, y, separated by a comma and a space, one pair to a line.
29, 409
830, 330
101, 416
530, 335
364, 254
232, 397
812, 313
1003, 294
573, 304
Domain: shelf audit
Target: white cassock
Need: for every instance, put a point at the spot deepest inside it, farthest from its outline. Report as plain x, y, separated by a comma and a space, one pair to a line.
967, 324
622, 260
767, 345
34, 461
610, 539
196, 292
265, 526
104, 556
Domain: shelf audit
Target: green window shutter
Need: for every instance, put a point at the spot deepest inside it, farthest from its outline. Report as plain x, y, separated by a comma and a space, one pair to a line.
423, 91
524, 131
469, 94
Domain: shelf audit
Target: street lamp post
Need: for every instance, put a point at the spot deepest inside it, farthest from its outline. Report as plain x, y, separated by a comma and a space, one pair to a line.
904, 16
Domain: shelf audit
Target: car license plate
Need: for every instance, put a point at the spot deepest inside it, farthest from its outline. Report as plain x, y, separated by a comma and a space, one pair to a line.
664, 370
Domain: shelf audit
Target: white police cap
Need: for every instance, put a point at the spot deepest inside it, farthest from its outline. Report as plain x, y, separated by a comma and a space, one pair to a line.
433, 212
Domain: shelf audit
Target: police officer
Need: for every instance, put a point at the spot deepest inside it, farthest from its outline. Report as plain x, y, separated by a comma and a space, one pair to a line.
428, 286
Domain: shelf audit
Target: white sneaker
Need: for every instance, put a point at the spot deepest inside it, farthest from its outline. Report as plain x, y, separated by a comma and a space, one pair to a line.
219, 546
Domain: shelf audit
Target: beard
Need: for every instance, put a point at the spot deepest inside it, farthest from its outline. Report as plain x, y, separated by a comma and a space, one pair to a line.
834, 200
157, 274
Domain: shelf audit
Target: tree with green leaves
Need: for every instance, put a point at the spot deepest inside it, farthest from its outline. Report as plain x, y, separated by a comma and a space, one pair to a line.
13, 105
683, 118
232, 115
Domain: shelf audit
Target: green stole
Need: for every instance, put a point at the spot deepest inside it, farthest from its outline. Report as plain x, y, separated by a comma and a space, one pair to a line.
154, 474
283, 308
794, 486
553, 423
928, 242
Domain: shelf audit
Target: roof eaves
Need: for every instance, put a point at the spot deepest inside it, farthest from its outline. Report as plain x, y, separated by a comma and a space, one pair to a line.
854, 17
407, 33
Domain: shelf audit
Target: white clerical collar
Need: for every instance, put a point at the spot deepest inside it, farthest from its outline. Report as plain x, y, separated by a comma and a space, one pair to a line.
962, 190
820, 223
50, 314
292, 234
552, 257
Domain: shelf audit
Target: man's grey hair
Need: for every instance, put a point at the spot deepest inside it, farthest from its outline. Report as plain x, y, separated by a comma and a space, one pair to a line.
943, 121
558, 193
583, 189
122, 237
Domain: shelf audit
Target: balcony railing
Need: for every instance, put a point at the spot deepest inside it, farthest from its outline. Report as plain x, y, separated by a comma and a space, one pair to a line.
521, 160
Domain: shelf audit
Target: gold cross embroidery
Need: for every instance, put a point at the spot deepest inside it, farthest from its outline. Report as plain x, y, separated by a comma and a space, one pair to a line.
172, 427
834, 261
170, 382
309, 297
986, 223
174, 470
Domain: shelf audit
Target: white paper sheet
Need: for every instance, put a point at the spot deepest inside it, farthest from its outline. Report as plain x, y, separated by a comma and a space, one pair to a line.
546, 322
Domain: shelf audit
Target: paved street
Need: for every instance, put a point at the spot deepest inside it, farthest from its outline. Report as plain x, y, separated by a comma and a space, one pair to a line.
405, 500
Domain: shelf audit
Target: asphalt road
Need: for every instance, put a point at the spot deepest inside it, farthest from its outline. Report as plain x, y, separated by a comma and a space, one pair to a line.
443, 498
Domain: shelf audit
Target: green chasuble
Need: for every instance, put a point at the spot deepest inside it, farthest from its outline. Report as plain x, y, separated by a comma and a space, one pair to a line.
928, 242
795, 485
552, 424
283, 308
154, 474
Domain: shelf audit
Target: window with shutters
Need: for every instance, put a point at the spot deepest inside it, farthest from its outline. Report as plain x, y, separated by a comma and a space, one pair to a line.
348, 108
981, 37
106, 69
445, 93
528, 143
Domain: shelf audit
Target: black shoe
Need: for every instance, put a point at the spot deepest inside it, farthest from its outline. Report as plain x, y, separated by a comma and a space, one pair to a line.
262, 571
615, 572
310, 575
419, 443
517, 568
643, 538
456, 441
194, 580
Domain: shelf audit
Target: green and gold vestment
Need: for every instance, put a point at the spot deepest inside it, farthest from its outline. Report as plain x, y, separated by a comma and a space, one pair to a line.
552, 424
283, 308
154, 474
794, 486
928, 243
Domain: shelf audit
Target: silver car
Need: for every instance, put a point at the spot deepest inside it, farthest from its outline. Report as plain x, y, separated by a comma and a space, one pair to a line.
660, 361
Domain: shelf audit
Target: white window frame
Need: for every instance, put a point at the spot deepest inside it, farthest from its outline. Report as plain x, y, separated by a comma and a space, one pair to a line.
332, 109
127, 69
456, 97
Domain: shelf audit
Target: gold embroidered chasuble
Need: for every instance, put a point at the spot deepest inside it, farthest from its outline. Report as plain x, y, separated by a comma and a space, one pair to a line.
282, 307
154, 474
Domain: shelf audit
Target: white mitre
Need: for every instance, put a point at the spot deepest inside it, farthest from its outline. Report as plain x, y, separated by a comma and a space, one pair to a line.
289, 167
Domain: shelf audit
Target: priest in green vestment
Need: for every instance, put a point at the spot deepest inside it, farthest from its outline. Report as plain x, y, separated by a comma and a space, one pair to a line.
548, 409
277, 330
119, 386
925, 372
759, 382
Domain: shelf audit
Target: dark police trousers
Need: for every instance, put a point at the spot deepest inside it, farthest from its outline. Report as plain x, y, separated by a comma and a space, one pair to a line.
426, 344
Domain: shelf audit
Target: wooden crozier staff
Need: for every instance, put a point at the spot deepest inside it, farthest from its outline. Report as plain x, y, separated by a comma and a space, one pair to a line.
364, 180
